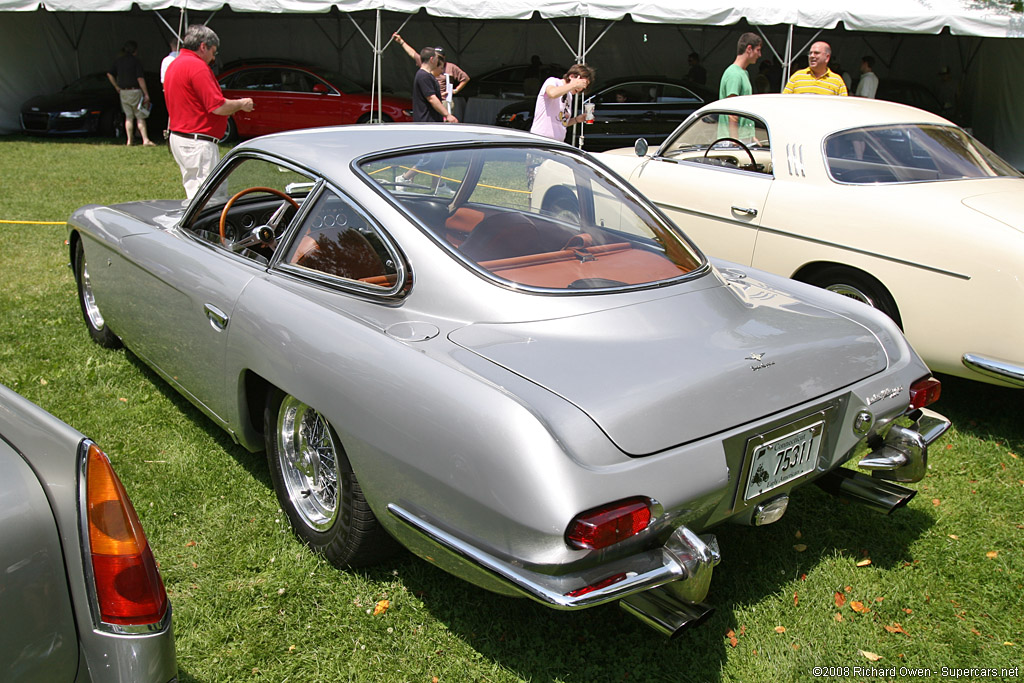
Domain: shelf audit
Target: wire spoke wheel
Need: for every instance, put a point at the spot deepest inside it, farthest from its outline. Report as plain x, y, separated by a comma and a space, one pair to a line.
853, 293
94, 319
309, 463
857, 285
89, 306
316, 486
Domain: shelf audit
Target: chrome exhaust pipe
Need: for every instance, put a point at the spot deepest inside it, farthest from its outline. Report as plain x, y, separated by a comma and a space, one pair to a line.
665, 612
878, 494
677, 605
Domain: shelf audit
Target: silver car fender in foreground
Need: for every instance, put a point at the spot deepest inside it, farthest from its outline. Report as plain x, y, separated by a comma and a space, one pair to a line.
78, 605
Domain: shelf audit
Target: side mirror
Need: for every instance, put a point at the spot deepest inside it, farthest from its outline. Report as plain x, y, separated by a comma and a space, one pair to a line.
641, 147
320, 89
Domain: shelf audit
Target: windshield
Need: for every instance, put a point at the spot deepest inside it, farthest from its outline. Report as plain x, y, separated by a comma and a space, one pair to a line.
910, 153
536, 218
89, 83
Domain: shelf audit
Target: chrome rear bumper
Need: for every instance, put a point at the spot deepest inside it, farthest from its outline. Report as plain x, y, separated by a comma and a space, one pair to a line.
1011, 373
664, 587
686, 559
903, 455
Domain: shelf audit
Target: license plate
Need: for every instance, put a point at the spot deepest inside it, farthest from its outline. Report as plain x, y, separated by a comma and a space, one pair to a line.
783, 459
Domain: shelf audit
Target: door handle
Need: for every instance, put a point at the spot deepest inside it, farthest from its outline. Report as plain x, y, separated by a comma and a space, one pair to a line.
748, 211
217, 317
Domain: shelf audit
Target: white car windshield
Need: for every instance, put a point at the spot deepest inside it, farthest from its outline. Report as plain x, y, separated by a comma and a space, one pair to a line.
536, 218
910, 153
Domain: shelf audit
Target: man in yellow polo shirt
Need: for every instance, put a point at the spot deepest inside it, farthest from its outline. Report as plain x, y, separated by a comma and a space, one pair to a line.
817, 79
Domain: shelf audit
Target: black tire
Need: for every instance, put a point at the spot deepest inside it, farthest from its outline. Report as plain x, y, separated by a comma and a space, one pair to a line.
94, 321
230, 133
317, 488
856, 285
111, 124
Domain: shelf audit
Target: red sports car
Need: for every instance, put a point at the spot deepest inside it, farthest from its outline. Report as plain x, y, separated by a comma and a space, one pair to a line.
290, 96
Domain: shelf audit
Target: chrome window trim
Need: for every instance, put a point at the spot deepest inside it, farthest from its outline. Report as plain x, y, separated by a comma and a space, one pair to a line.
402, 274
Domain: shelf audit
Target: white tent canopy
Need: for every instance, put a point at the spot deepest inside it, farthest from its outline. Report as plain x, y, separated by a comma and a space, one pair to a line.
962, 17
651, 36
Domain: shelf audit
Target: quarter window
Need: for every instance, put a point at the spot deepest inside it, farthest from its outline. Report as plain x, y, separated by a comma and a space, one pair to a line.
337, 239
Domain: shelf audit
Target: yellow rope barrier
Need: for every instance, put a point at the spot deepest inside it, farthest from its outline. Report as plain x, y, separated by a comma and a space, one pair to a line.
34, 222
454, 180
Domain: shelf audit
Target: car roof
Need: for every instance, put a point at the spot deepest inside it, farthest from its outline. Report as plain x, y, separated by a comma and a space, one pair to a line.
329, 151
819, 115
311, 68
705, 93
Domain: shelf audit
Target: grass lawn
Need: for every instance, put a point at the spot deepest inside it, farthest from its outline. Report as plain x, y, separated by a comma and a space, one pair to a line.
943, 587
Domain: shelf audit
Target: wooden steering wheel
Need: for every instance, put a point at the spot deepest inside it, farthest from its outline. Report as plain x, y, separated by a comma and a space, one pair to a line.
239, 195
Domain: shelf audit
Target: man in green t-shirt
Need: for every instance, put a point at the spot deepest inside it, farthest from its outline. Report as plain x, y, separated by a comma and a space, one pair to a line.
736, 81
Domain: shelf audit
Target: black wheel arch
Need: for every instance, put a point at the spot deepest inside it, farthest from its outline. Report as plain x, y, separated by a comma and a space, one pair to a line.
817, 272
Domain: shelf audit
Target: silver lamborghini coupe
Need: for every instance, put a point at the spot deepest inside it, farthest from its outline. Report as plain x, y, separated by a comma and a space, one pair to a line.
554, 397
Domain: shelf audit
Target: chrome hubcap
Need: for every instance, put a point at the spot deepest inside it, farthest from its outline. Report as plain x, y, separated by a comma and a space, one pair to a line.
309, 463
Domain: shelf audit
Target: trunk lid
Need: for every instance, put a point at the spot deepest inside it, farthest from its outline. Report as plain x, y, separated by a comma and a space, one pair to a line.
668, 371
1005, 206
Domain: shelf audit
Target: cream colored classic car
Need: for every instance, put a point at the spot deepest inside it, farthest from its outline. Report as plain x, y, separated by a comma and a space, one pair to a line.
878, 201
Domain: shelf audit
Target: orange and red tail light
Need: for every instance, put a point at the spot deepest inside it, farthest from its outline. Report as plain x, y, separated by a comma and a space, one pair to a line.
129, 589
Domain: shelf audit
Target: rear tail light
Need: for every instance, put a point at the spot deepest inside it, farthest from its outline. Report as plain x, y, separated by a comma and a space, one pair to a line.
924, 392
609, 524
129, 590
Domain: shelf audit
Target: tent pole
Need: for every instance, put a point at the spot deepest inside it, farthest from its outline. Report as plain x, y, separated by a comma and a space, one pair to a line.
787, 65
567, 43
598, 39
378, 94
581, 56
764, 39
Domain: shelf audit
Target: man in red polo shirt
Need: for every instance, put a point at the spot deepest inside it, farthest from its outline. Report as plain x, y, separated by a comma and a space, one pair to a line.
197, 110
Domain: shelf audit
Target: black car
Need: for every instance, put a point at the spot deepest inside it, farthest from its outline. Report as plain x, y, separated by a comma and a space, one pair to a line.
89, 106
510, 82
626, 109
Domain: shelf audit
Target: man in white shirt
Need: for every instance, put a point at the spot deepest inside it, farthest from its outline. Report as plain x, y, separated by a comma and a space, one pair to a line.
174, 45
868, 85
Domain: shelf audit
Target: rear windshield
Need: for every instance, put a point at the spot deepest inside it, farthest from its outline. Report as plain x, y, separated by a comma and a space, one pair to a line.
536, 218
910, 153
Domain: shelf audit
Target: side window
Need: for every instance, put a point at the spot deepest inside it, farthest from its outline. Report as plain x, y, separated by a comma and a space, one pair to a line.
724, 139
337, 239
257, 79
676, 93
249, 207
295, 81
